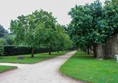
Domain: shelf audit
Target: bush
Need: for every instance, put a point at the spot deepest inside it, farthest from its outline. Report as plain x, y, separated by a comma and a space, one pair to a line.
1, 50
13, 50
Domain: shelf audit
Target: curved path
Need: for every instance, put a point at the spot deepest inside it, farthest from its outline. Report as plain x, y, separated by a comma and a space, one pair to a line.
42, 72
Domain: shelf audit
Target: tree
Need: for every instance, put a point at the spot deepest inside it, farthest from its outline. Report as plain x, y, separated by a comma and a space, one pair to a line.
49, 39
93, 24
2, 43
2, 31
9, 38
82, 28
115, 1
39, 29
55, 38
28, 29
63, 40
47, 32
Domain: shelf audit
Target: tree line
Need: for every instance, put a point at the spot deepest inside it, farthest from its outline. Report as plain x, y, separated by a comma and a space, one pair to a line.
5, 39
40, 29
93, 24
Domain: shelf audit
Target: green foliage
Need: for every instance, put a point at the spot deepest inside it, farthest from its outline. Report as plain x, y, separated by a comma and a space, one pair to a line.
2, 50
115, 1
2, 31
13, 50
92, 24
9, 38
63, 41
83, 29
83, 67
2, 43
110, 16
39, 29
28, 29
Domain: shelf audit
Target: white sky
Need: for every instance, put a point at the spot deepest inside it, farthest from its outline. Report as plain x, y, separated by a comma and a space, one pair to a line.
10, 9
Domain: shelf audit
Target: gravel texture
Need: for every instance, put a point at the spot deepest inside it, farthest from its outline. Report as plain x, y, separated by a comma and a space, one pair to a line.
42, 72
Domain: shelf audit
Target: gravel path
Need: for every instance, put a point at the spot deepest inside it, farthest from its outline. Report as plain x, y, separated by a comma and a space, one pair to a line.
42, 72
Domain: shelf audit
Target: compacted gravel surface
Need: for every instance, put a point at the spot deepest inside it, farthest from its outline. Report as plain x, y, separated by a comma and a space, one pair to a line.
42, 72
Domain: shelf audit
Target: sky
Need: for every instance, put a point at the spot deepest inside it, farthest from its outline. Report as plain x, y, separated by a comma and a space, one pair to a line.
11, 9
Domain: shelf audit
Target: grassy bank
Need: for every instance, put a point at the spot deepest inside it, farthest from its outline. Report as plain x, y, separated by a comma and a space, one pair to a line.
86, 68
27, 58
6, 68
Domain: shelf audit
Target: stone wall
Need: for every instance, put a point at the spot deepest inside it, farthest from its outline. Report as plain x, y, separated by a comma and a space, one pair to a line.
110, 49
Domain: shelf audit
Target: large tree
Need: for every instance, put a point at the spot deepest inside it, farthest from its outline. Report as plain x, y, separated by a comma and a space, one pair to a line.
55, 38
93, 24
83, 28
27, 29
63, 42
39, 29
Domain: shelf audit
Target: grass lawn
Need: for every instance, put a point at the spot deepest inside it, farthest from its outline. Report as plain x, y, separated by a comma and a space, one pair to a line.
27, 58
6, 68
83, 67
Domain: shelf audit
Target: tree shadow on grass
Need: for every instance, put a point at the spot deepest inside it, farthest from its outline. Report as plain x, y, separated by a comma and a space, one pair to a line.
84, 57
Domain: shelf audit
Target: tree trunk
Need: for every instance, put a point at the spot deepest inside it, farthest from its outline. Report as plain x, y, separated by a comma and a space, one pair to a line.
32, 53
49, 51
57, 51
94, 51
88, 51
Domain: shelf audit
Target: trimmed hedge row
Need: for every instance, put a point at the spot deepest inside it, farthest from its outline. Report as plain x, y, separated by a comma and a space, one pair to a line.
12, 50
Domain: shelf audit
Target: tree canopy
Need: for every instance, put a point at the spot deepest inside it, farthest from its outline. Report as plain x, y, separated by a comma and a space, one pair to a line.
37, 29
2, 31
93, 23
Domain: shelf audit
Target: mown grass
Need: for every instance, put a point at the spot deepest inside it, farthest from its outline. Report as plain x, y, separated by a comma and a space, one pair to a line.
83, 67
6, 68
27, 58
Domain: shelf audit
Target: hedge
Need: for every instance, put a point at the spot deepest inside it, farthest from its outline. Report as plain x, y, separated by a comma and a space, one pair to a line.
13, 50
1, 50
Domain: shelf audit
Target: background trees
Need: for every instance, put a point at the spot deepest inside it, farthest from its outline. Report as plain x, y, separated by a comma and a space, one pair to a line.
82, 29
2, 31
93, 24
64, 42
39, 29
3, 40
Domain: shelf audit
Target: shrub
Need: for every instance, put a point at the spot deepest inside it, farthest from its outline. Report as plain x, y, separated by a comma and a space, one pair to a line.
13, 50
1, 50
